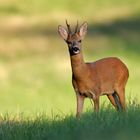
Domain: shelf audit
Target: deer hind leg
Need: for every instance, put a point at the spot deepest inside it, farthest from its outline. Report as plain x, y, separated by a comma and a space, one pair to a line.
121, 95
117, 101
112, 100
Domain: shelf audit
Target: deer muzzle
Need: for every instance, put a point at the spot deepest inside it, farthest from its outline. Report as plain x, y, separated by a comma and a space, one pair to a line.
74, 50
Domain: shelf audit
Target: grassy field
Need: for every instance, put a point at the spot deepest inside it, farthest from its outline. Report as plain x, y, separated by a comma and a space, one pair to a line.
37, 100
107, 124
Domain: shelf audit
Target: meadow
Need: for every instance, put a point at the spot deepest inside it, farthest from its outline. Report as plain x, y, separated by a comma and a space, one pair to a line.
37, 100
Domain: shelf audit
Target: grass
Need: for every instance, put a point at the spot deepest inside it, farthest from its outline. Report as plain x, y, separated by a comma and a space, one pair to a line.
108, 124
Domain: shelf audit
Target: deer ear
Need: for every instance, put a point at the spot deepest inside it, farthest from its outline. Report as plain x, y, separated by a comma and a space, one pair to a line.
83, 29
63, 32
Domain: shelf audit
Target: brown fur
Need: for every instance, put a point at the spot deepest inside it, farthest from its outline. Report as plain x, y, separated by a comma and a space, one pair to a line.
103, 77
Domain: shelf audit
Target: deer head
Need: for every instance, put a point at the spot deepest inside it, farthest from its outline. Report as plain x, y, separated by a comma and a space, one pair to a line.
73, 39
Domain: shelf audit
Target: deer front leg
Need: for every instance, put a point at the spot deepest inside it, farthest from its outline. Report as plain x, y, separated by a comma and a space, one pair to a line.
96, 103
80, 99
80, 103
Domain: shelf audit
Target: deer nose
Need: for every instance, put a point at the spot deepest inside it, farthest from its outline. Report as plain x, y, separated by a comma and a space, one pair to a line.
75, 50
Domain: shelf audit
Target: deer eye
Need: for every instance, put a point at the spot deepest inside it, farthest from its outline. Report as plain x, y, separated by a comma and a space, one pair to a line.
79, 41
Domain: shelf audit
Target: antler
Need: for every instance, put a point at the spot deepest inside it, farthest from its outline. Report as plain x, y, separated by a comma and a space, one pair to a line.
69, 28
76, 28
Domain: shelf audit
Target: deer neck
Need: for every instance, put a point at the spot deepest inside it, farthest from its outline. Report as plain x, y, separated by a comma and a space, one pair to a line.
78, 66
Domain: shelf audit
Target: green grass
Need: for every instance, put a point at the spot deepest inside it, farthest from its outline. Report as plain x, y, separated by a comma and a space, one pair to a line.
107, 124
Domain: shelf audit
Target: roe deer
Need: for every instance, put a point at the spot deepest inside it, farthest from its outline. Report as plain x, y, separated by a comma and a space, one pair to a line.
107, 76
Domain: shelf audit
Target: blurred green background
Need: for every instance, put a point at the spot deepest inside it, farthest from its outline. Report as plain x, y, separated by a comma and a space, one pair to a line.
35, 72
